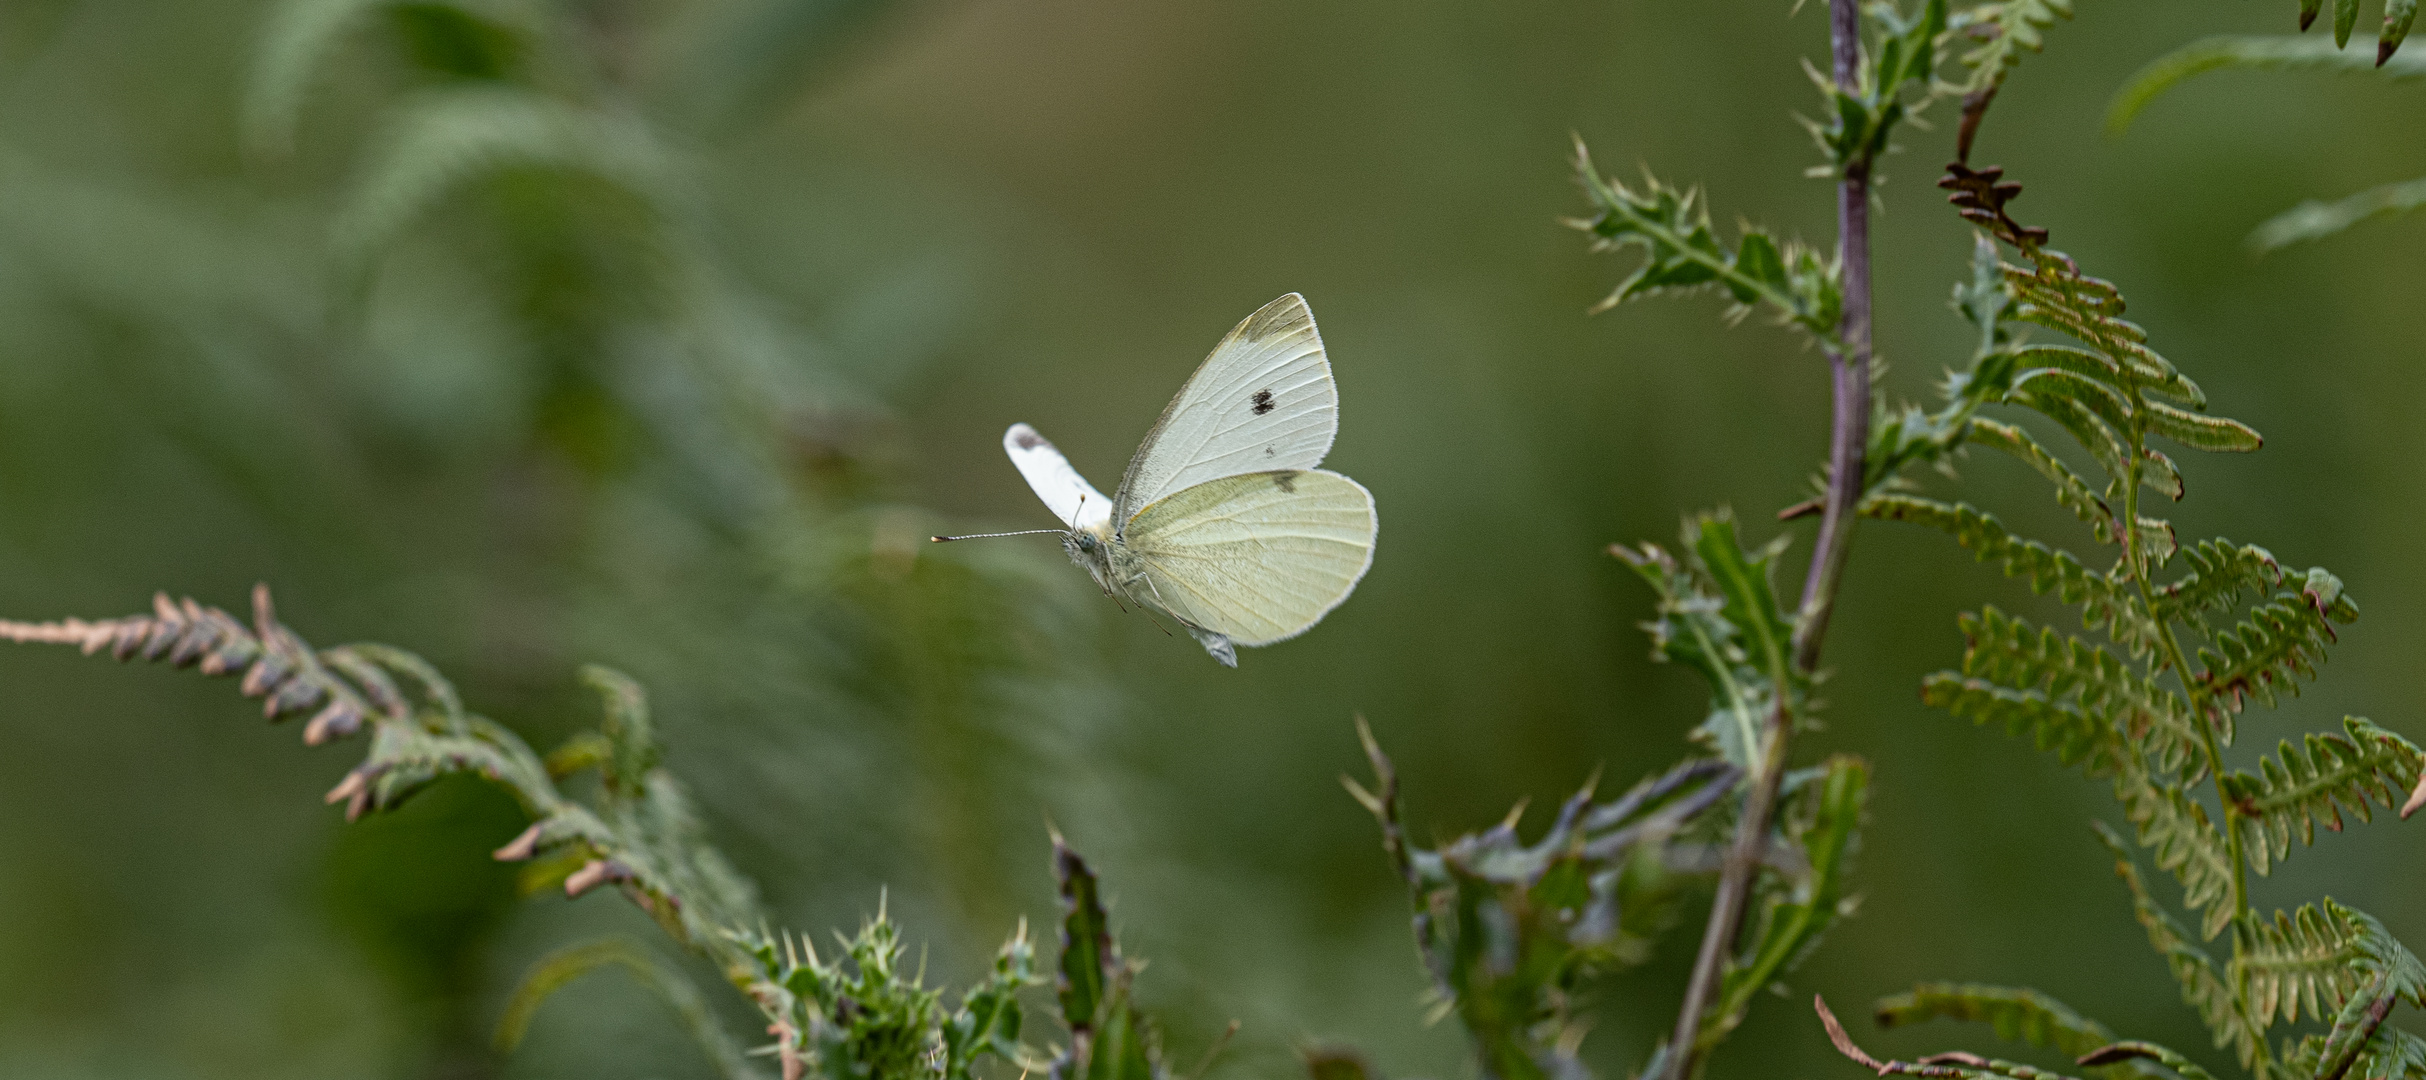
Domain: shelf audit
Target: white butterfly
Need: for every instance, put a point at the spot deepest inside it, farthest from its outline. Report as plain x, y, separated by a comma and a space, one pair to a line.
1222, 521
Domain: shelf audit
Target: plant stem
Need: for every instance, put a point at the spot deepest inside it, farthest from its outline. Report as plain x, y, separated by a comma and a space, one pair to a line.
1849, 438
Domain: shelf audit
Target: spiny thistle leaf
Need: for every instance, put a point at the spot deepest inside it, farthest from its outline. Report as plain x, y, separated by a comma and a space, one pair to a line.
2007, 650
2301, 788
2104, 604
1109, 1038
1718, 614
1796, 916
859, 1015
1090, 960
1859, 121
1509, 930
2203, 988
1681, 253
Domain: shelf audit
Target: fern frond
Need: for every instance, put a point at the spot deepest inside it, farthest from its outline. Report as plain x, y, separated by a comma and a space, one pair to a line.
1681, 253
2017, 1014
2391, 1054
2221, 572
2104, 604
2286, 53
2313, 220
2007, 30
2302, 787
2184, 842
2203, 987
2313, 959
2075, 737
2277, 644
2008, 650
1956, 1065
2053, 293
2071, 492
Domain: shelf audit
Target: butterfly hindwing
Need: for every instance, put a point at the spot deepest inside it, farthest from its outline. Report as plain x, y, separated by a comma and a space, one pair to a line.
1263, 401
1067, 494
1258, 557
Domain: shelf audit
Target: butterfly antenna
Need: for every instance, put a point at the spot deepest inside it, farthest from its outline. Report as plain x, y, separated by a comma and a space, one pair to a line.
988, 536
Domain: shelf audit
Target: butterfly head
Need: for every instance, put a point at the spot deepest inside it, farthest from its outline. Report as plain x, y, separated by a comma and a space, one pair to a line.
1091, 549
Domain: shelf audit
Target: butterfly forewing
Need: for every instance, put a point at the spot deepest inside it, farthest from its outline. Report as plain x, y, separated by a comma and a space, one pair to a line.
1258, 557
1262, 401
1067, 494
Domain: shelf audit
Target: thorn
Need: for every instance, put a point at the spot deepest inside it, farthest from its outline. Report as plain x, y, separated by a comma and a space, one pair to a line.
593, 873
520, 847
353, 784
2417, 797
337, 721
265, 615
1805, 508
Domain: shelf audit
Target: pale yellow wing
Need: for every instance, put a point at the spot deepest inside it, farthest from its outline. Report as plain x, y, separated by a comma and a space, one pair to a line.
1258, 557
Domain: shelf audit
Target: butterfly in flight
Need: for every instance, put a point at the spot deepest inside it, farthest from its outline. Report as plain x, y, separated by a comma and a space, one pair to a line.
1222, 521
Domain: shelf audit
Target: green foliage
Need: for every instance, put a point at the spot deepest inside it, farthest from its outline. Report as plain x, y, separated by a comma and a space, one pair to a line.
1109, 1038
856, 1016
553, 971
1509, 930
2155, 724
1681, 253
2311, 220
2005, 30
1796, 910
2019, 1015
1903, 55
1717, 613
2302, 787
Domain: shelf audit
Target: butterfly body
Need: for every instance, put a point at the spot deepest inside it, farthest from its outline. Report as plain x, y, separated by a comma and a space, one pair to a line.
1222, 520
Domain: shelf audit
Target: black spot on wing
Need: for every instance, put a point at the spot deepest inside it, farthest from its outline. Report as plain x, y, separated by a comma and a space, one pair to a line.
1029, 440
1285, 481
1260, 401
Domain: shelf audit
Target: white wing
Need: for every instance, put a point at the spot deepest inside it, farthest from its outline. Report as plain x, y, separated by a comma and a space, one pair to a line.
1263, 401
1067, 494
1257, 558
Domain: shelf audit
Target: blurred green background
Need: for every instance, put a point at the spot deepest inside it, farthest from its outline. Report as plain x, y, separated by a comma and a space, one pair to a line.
660, 334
